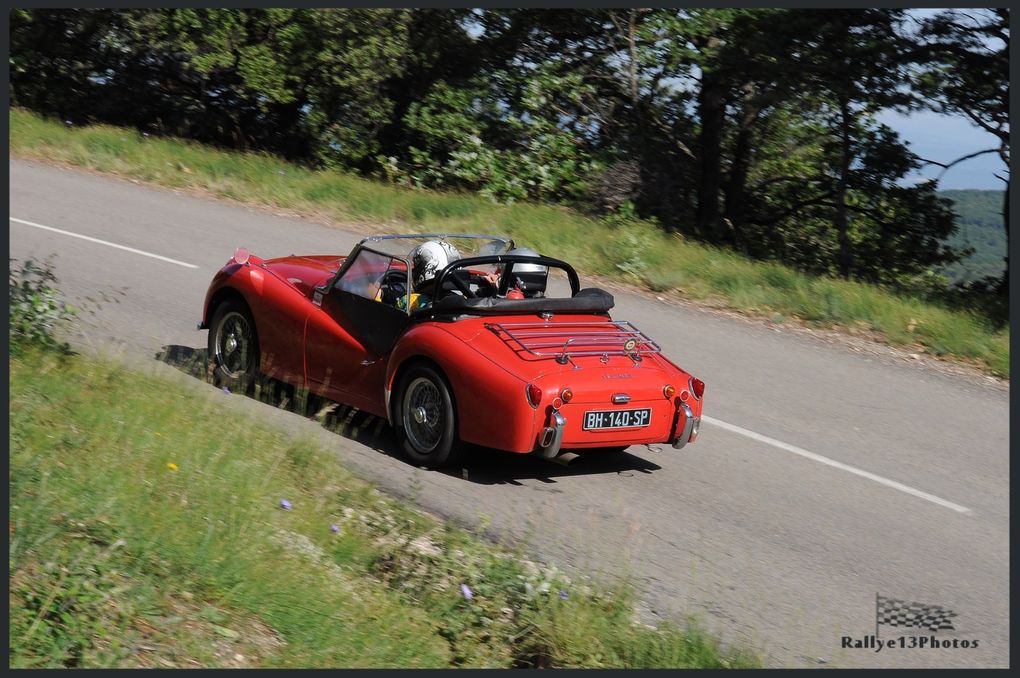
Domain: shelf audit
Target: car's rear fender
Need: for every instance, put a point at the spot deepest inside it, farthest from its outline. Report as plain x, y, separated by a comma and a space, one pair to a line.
491, 402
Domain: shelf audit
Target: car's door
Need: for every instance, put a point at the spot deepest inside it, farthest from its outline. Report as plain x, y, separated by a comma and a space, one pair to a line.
353, 329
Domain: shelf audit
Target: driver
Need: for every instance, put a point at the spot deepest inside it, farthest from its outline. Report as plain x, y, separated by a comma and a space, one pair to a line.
427, 260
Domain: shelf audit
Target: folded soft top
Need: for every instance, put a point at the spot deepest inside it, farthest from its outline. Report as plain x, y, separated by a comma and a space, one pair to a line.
588, 300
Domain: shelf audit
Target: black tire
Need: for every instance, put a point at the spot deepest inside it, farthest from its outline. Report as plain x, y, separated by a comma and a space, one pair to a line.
234, 347
425, 418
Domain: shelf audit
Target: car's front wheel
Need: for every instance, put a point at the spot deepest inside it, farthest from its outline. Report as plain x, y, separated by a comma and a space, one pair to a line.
233, 347
426, 422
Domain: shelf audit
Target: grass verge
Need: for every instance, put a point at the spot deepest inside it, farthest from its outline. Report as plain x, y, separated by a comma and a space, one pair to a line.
147, 529
633, 252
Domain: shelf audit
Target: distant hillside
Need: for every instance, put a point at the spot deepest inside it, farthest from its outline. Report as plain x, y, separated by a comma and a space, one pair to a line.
980, 227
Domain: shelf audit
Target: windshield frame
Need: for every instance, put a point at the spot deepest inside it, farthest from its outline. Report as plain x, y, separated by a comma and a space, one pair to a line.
379, 241
373, 244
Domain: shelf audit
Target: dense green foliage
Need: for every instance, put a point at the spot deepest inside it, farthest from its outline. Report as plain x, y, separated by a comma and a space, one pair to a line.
752, 129
979, 215
146, 530
37, 311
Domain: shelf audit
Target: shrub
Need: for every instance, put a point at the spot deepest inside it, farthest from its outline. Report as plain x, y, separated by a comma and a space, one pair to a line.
36, 308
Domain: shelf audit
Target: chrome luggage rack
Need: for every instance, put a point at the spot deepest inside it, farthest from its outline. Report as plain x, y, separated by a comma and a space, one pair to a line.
583, 339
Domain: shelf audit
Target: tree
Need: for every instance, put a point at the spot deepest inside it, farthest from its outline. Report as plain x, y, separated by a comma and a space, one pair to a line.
965, 69
57, 59
858, 59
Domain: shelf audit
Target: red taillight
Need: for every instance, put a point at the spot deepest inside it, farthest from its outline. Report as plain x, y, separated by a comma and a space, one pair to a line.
697, 387
567, 395
534, 394
668, 391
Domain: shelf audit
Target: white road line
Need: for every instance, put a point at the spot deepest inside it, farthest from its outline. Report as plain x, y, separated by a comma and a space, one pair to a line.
104, 242
835, 464
711, 420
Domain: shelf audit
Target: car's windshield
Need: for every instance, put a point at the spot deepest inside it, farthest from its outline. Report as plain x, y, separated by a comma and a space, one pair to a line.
369, 272
467, 245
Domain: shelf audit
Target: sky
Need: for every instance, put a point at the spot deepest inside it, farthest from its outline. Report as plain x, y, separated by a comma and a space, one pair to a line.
945, 138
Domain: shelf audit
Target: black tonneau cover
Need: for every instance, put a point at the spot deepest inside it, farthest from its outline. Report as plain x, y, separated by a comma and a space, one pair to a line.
588, 300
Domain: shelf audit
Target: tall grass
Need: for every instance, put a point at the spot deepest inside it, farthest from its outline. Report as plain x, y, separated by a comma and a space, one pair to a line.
632, 252
147, 529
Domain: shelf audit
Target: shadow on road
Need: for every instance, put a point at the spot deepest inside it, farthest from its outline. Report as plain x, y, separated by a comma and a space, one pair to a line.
487, 466
481, 465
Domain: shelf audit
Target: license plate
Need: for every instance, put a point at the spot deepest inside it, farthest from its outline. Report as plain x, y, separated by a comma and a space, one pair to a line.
601, 419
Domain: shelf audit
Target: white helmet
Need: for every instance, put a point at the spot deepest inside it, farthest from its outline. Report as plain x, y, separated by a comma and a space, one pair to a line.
429, 258
532, 277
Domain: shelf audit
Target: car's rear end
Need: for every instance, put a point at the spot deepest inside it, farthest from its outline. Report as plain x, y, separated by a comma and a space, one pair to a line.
592, 382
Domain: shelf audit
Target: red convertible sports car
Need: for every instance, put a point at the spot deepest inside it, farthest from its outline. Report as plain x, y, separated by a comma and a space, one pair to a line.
453, 339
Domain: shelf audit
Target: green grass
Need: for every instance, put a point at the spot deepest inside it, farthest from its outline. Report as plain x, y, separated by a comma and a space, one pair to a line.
633, 252
146, 530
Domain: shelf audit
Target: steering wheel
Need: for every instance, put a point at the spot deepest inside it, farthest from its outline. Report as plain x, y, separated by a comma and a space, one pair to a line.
394, 285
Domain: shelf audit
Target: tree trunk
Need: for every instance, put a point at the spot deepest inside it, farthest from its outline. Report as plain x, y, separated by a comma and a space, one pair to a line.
632, 55
1004, 283
842, 226
735, 198
711, 111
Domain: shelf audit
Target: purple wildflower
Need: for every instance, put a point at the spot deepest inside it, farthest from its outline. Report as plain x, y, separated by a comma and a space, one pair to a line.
563, 594
226, 390
334, 528
466, 591
284, 504
68, 123
145, 134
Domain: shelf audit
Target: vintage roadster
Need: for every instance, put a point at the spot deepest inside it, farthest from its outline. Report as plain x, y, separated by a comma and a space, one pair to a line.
453, 339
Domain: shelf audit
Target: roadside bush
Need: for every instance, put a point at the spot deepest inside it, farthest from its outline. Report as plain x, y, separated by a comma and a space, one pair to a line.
36, 308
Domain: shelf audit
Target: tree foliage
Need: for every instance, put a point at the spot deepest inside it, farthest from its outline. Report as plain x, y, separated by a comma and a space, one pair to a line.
752, 129
965, 59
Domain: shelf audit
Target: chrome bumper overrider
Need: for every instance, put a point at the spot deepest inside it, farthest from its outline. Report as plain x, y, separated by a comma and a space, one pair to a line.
690, 427
552, 437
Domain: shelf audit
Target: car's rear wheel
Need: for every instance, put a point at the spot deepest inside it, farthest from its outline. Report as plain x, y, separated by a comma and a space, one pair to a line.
234, 347
426, 422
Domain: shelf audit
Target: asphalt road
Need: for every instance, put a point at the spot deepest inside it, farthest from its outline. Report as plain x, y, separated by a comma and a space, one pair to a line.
821, 476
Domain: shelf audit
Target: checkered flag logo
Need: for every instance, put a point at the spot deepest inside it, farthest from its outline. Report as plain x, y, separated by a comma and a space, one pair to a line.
892, 612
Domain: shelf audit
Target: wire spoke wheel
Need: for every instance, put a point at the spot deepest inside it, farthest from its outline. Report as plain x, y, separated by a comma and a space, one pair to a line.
423, 414
427, 420
234, 344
